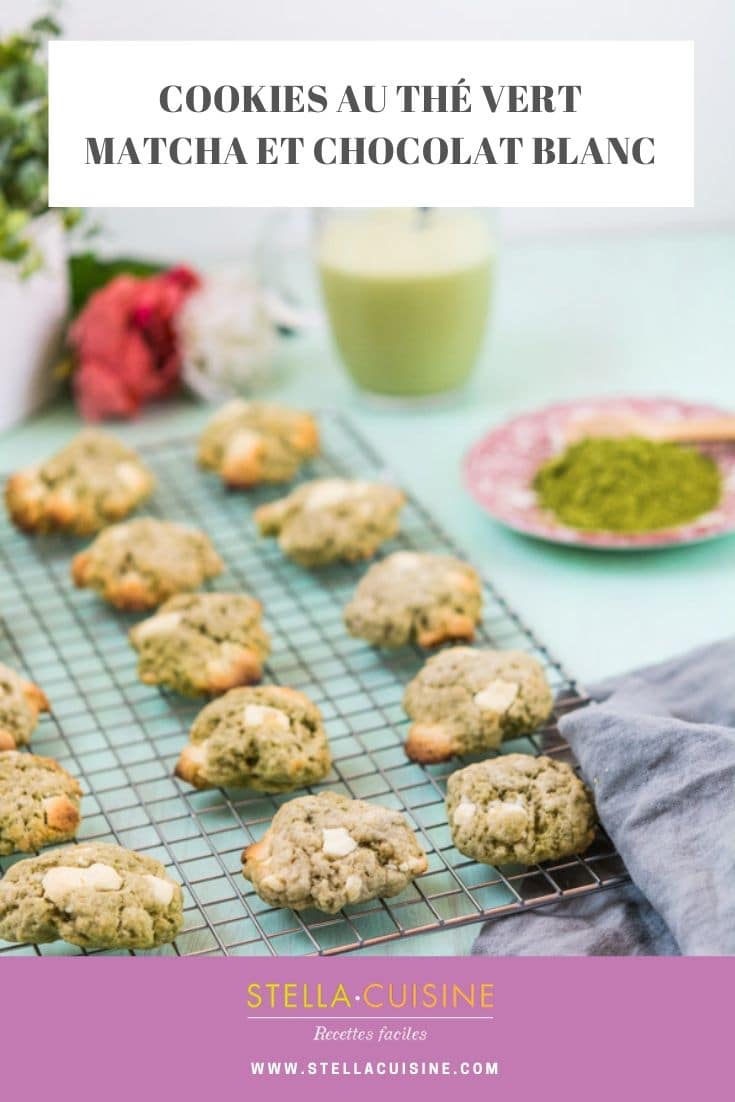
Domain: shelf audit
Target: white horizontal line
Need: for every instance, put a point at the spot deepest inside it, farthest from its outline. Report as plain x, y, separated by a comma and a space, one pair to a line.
369, 1018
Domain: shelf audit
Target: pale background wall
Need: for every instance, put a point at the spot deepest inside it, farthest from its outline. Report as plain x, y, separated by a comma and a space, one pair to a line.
227, 233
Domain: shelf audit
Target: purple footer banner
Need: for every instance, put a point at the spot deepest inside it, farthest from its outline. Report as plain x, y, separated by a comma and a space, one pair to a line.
372, 1028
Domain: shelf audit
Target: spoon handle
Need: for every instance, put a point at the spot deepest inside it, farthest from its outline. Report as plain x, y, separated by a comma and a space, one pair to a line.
701, 430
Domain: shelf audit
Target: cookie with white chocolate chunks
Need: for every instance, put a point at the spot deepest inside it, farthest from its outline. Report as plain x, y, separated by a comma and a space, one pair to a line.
519, 808
465, 700
20, 704
95, 895
93, 481
39, 803
248, 443
140, 563
413, 595
202, 643
268, 738
327, 851
332, 519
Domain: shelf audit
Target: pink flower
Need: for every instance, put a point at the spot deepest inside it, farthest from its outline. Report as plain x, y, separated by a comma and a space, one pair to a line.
125, 343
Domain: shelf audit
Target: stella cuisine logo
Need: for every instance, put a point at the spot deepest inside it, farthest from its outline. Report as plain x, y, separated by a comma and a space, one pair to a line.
376, 995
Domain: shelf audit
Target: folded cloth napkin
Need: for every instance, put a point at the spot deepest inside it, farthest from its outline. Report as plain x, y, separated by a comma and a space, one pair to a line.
658, 748
615, 923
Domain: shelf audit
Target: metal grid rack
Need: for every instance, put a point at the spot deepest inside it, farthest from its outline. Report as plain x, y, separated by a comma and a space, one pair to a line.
122, 738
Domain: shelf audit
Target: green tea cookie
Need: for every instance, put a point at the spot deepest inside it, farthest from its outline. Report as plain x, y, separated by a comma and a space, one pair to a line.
519, 808
331, 519
414, 595
39, 803
270, 739
202, 643
466, 700
20, 704
94, 895
252, 442
91, 482
139, 564
327, 851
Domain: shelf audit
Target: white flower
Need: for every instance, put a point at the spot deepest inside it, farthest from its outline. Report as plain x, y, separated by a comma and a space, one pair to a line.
226, 335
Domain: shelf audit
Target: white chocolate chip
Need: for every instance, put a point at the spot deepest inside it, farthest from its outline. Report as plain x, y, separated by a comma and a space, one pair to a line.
195, 753
353, 887
131, 476
162, 890
59, 882
405, 560
497, 697
226, 665
257, 714
163, 624
464, 813
333, 491
337, 842
117, 532
508, 818
272, 883
243, 444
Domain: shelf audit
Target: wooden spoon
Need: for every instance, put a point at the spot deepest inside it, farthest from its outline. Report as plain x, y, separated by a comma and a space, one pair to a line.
694, 430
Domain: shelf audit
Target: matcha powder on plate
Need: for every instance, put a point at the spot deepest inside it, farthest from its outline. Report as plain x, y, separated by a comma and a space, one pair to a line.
628, 484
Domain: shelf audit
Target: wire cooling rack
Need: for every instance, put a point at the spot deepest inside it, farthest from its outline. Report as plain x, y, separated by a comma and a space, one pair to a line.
122, 738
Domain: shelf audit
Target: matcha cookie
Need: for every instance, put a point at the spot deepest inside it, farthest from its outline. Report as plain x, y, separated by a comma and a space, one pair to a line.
270, 739
139, 564
95, 895
331, 519
327, 851
39, 803
20, 703
202, 643
91, 482
414, 595
519, 808
251, 442
466, 700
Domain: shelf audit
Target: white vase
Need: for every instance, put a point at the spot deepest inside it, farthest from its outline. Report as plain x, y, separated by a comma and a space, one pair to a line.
33, 312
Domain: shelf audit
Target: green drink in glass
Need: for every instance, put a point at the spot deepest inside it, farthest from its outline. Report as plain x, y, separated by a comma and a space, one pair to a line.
407, 294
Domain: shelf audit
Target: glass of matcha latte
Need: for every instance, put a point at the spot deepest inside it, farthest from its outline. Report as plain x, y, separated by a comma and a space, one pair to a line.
407, 293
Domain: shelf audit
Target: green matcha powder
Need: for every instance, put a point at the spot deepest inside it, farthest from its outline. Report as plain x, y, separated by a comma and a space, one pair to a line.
628, 484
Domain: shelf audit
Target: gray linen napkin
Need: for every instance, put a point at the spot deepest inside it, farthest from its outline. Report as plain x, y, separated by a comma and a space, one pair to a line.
658, 748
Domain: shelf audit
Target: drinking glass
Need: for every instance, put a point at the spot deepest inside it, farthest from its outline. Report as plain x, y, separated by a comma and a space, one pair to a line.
407, 294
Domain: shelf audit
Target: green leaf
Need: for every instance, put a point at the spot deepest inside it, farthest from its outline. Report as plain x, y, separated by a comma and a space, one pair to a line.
89, 273
47, 26
24, 138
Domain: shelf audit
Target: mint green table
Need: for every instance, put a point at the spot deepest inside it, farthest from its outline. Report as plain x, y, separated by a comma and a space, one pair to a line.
652, 315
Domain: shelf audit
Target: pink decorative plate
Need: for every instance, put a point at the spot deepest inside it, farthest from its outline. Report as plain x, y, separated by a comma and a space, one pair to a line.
499, 470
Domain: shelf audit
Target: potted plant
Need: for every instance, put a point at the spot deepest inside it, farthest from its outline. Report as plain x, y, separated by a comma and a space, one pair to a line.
34, 277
